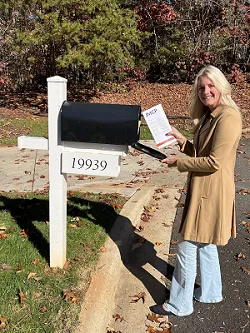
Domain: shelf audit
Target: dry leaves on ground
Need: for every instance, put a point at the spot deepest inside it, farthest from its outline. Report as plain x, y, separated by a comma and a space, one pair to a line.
139, 296
156, 323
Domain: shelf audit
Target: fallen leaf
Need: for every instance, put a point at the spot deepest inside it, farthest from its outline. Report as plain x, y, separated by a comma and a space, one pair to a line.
246, 224
174, 242
141, 296
245, 270
31, 275
244, 326
183, 190
154, 317
2, 230
145, 216
243, 191
158, 243
159, 190
238, 256
19, 268
5, 267
138, 228
103, 249
75, 219
116, 205
22, 299
72, 225
23, 233
165, 330
71, 296
80, 223
2, 236
67, 265
36, 261
118, 317
3, 322
43, 309
166, 225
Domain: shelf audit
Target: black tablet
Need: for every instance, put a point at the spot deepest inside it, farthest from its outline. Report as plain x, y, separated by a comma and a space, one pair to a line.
150, 151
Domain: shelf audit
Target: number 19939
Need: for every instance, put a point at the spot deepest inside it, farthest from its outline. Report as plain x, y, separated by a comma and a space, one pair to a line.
79, 163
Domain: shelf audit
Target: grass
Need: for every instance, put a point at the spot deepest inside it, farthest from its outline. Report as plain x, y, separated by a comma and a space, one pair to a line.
34, 297
145, 133
12, 128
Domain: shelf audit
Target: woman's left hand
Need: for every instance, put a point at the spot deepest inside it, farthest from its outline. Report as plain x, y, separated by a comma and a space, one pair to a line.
171, 160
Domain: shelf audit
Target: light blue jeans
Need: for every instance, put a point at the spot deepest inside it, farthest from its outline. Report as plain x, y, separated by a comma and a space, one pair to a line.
182, 289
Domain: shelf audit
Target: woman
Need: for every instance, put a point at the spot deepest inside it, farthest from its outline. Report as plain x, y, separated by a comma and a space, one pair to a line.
209, 212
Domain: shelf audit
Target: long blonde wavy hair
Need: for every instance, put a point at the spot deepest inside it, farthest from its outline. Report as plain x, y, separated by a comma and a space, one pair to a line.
196, 107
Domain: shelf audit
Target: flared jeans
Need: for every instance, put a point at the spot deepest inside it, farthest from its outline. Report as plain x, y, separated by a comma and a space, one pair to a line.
182, 290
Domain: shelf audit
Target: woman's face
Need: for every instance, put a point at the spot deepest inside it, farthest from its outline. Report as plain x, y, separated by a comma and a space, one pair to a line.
208, 94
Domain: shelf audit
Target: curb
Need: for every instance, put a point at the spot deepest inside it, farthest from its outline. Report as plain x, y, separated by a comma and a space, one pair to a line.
99, 302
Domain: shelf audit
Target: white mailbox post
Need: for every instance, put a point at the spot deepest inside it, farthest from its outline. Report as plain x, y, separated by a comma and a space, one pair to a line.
68, 157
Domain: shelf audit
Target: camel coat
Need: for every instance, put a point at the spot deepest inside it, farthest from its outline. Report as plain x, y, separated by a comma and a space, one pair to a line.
209, 210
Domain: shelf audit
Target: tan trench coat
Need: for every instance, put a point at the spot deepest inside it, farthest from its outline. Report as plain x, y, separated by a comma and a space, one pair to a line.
209, 210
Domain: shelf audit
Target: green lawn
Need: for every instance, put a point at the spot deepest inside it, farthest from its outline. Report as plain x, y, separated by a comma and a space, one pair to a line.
34, 297
12, 128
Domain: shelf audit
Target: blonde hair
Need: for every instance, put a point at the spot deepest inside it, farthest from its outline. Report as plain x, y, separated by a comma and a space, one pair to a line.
196, 107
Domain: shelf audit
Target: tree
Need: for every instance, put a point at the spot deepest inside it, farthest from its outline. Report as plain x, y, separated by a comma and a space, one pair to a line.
218, 32
88, 39
162, 46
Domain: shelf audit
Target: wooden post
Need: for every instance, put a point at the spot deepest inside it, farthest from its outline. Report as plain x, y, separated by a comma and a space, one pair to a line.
67, 157
57, 94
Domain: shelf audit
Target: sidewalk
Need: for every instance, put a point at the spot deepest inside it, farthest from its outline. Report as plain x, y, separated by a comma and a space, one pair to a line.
117, 277
26, 170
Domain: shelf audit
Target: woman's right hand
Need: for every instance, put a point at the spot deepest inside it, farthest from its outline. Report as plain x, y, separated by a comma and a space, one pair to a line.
181, 139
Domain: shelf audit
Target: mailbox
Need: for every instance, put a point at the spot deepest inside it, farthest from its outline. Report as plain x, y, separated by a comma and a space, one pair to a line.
100, 123
111, 124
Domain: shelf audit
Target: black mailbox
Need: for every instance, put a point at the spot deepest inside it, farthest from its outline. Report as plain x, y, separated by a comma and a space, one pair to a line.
100, 123
103, 123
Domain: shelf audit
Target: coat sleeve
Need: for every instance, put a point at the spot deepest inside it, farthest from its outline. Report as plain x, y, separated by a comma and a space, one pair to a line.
188, 148
226, 135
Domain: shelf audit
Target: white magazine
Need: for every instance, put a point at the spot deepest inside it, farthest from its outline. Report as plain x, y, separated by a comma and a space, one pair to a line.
159, 126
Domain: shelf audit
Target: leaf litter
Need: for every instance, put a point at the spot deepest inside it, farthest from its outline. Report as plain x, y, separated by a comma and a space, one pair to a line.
157, 323
141, 295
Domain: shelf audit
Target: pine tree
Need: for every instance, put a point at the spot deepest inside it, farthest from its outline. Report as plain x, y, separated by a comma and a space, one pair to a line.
87, 39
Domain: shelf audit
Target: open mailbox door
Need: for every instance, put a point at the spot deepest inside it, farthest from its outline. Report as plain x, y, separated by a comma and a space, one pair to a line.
150, 151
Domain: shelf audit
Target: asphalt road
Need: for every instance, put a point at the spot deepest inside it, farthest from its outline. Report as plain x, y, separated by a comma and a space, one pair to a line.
232, 315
